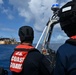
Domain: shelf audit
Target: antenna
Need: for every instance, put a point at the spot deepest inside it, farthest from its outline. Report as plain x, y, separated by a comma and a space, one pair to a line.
50, 24
47, 32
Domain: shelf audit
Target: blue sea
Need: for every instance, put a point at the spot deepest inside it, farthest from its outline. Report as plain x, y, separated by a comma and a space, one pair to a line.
7, 50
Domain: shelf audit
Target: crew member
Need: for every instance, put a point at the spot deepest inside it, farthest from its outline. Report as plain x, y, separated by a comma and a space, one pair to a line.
66, 54
26, 60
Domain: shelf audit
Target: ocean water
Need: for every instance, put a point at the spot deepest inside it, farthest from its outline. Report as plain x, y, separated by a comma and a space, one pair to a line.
5, 53
7, 50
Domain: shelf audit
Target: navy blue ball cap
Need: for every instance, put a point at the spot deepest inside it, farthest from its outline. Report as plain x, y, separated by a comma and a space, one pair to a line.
26, 32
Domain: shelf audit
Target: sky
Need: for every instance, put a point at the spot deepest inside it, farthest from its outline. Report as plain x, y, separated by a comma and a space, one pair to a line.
34, 13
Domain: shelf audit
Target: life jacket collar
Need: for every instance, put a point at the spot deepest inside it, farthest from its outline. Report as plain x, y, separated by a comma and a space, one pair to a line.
25, 46
73, 37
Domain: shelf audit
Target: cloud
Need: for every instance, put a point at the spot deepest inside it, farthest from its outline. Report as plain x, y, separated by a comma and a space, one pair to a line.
8, 29
42, 12
23, 8
6, 9
39, 11
59, 39
8, 12
8, 32
1, 2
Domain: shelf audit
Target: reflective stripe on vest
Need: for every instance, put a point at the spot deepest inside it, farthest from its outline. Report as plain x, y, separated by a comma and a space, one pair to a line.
18, 57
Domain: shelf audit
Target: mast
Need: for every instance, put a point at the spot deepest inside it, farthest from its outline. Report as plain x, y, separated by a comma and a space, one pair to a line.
49, 53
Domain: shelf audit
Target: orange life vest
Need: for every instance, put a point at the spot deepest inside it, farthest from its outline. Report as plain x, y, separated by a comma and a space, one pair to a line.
19, 56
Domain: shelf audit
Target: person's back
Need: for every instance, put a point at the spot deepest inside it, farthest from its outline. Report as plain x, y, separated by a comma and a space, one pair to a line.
29, 60
66, 59
35, 64
66, 54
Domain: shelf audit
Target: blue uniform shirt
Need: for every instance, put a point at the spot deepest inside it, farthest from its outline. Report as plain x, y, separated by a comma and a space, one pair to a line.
66, 59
